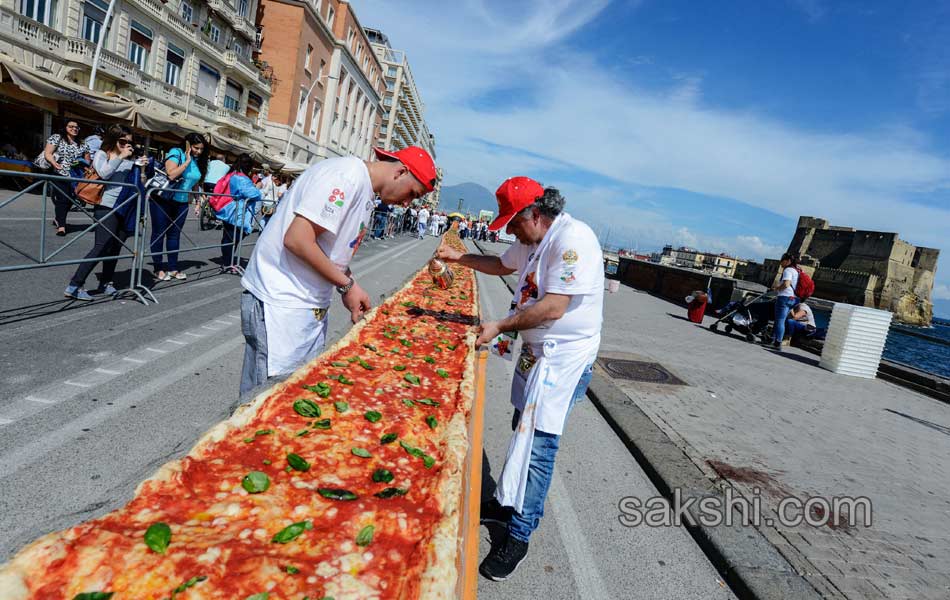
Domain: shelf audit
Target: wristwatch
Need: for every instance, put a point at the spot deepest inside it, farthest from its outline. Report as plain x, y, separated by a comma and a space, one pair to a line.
343, 289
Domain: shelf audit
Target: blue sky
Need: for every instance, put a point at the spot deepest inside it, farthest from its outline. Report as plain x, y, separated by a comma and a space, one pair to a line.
709, 124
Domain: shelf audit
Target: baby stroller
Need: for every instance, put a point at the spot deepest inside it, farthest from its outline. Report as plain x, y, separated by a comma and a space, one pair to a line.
750, 319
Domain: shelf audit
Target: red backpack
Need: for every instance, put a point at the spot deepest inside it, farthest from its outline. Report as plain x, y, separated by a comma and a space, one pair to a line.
805, 286
222, 187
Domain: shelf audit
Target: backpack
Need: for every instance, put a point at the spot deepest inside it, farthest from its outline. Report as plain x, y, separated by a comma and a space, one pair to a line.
223, 186
805, 286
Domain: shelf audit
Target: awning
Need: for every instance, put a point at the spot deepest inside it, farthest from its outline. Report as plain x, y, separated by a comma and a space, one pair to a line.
153, 121
274, 164
295, 167
223, 142
34, 82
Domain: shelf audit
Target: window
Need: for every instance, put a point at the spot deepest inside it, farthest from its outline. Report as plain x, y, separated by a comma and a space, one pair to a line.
308, 57
349, 39
208, 80
39, 10
93, 16
391, 71
315, 119
232, 96
242, 7
140, 44
174, 62
330, 16
214, 33
302, 106
390, 86
238, 48
254, 103
186, 11
323, 66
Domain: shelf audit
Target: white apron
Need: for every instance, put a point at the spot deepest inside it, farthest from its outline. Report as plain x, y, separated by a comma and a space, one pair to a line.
294, 337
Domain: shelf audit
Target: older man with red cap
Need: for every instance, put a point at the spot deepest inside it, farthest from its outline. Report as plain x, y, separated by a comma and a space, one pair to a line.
304, 253
558, 309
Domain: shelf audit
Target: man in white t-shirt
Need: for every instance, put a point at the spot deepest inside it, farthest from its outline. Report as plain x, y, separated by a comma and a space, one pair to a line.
303, 255
784, 299
801, 321
558, 310
423, 217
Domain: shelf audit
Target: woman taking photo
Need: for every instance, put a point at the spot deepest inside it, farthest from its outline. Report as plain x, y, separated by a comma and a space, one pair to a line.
112, 163
239, 211
62, 150
185, 168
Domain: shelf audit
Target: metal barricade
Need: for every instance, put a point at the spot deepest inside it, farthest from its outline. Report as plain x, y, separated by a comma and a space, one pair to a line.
257, 226
46, 183
148, 233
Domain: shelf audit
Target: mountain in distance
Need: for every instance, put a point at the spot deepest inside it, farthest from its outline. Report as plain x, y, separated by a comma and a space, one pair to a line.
476, 197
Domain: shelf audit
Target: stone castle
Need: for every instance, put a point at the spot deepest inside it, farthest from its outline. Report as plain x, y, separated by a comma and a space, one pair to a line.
867, 268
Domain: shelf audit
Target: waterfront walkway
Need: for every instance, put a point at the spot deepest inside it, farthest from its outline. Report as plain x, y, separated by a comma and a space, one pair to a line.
751, 418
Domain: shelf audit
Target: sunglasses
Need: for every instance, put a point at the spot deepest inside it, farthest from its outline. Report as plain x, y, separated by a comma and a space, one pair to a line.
124, 142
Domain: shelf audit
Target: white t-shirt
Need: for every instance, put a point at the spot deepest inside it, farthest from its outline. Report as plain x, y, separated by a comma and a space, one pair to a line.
337, 195
423, 216
574, 267
809, 316
789, 274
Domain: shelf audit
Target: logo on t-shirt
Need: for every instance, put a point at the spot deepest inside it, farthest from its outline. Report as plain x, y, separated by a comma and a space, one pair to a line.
529, 289
355, 244
567, 275
569, 256
336, 197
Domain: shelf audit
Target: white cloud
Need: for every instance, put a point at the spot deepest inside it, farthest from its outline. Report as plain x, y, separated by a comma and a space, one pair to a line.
579, 112
941, 292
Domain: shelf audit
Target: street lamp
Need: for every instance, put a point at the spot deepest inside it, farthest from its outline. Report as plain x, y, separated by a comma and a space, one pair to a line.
306, 97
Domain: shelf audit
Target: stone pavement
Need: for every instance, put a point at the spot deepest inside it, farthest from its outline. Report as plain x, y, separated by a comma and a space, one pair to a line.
754, 419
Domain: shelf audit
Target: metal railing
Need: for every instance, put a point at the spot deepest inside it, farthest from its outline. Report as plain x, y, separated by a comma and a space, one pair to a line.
48, 188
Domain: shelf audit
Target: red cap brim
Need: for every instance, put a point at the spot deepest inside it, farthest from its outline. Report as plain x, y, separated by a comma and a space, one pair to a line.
501, 221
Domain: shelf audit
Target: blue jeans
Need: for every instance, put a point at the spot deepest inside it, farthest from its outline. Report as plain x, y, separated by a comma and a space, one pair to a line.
783, 305
796, 328
168, 217
541, 469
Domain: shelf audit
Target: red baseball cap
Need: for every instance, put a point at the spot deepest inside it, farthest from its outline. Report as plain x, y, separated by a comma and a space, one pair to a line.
417, 161
513, 195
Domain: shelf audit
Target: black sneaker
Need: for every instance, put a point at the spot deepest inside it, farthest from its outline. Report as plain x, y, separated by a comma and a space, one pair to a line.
493, 512
503, 559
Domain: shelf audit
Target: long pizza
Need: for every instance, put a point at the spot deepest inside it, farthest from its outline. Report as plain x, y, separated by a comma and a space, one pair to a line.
343, 482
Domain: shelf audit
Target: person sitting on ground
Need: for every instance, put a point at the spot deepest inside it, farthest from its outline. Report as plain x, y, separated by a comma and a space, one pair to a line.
800, 321
113, 164
239, 211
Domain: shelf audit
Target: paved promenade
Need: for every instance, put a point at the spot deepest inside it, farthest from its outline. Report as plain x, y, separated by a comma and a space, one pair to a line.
751, 418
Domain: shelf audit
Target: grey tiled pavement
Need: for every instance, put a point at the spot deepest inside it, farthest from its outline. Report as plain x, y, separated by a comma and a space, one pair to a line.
781, 423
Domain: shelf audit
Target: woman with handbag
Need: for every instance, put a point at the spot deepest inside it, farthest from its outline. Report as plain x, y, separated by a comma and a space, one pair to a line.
111, 164
168, 209
62, 151
237, 210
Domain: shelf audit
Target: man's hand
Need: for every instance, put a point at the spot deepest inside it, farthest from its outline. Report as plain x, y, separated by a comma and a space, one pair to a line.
487, 332
357, 301
448, 254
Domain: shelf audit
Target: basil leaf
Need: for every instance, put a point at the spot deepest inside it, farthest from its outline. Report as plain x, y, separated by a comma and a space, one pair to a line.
405, 342
255, 482
336, 494
190, 583
298, 462
334, 377
428, 461
93, 596
429, 360
370, 347
373, 416
337, 363
321, 389
260, 596
341, 407
390, 492
408, 303
158, 536
302, 433
291, 532
389, 336
452, 346
382, 476
352, 359
345, 381
292, 570
399, 368
306, 408
365, 536
411, 450
411, 379
366, 365
432, 422
263, 432
427, 401
322, 424
442, 373
389, 438
408, 402
361, 452
248, 440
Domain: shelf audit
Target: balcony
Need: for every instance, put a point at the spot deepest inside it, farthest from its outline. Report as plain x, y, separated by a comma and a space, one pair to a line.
33, 34
204, 108
153, 7
183, 27
241, 64
234, 119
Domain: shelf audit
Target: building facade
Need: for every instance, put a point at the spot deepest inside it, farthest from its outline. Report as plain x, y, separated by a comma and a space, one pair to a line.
326, 99
183, 65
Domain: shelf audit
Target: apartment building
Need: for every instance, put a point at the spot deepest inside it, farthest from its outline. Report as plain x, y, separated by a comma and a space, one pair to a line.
178, 65
326, 99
